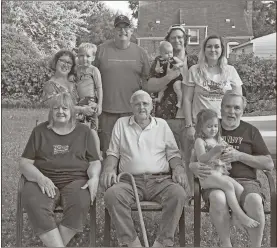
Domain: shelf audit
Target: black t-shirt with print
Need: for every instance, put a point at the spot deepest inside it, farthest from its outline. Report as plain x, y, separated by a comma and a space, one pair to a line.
62, 158
246, 138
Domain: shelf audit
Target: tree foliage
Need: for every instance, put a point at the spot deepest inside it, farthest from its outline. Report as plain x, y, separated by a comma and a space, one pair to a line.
134, 6
264, 18
52, 25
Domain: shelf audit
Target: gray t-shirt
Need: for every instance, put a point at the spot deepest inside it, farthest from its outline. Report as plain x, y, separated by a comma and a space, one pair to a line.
122, 71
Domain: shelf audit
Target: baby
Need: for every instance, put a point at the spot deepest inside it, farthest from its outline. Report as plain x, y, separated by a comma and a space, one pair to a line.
162, 61
89, 86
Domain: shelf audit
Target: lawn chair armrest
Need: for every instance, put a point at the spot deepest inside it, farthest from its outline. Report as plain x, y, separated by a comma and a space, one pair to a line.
197, 193
271, 185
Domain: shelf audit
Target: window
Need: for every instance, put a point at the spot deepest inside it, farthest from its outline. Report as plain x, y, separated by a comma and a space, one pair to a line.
194, 36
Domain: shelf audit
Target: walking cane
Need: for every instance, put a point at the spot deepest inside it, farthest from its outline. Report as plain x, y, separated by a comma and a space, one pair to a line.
138, 205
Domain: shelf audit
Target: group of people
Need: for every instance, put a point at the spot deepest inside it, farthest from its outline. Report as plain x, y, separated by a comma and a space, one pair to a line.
196, 130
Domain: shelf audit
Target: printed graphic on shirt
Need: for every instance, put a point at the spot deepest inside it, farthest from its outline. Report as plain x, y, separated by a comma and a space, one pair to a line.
233, 140
60, 149
215, 90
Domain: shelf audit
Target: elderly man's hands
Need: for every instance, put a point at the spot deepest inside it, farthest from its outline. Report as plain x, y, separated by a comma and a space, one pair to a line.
92, 185
47, 186
200, 170
230, 155
179, 176
108, 178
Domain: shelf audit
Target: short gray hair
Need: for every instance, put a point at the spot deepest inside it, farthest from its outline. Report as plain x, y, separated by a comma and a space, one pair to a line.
138, 93
233, 93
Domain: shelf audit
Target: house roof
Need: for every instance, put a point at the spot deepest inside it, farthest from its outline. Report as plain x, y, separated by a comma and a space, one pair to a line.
212, 13
262, 39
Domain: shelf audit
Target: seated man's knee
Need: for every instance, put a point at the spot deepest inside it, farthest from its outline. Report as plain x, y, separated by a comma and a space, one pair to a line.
178, 193
218, 201
253, 202
113, 195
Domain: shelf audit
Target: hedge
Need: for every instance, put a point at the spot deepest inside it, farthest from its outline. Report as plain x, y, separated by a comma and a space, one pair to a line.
24, 70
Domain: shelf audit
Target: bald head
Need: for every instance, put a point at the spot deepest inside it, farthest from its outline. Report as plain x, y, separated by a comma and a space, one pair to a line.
140, 93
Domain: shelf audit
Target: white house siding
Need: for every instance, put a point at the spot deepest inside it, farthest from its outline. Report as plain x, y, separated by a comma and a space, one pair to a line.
248, 48
264, 47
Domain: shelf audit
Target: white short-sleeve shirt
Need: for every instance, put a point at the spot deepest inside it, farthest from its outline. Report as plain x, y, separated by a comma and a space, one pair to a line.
143, 151
208, 93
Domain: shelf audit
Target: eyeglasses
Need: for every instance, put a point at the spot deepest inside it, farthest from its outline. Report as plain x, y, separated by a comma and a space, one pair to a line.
122, 28
65, 62
177, 26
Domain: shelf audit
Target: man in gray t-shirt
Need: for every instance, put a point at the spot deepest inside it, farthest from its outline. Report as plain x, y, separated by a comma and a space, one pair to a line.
124, 68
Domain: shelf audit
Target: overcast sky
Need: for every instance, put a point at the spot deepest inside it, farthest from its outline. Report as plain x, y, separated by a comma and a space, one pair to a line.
121, 6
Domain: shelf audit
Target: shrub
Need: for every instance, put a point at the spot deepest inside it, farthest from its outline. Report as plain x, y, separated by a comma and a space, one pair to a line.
258, 76
24, 69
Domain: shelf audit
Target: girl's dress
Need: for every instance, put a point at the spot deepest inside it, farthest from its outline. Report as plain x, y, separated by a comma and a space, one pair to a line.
216, 164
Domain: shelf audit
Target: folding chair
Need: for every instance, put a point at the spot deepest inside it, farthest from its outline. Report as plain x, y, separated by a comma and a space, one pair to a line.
20, 211
205, 209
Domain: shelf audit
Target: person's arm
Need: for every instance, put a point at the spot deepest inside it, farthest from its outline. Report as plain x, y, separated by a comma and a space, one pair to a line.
260, 157
264, 162
145, 70
110, 164
30, 171
202, 155
93, 172
236, 82
159, 84
179, 62
98, 83
174, 157
27, 168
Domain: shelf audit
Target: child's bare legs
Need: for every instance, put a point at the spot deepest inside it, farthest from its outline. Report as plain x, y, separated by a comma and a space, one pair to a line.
177, 86
231, 188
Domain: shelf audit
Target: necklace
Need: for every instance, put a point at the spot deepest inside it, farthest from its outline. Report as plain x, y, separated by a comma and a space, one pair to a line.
212, 66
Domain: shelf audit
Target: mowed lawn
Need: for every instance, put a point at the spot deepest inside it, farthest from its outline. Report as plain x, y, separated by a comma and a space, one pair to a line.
17, 125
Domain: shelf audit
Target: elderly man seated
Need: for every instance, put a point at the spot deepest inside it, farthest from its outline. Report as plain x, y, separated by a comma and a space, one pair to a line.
249, 153
145, 147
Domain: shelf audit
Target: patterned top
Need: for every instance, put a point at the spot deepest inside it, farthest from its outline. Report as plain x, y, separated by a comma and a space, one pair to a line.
52, 88
167, 108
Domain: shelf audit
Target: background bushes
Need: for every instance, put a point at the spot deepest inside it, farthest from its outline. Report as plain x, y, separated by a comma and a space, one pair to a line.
25, 70
259, 78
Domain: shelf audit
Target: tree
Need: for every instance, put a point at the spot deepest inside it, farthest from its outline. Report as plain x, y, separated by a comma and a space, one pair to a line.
51, 25
263, 18
134, 6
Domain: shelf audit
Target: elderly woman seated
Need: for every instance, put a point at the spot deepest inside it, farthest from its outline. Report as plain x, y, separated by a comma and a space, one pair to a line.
248, 153
62, 166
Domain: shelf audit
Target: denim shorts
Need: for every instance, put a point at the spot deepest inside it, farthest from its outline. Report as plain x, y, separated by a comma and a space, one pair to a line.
40, 208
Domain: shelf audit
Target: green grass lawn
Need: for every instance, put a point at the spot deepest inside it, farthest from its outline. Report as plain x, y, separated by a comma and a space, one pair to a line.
17, 125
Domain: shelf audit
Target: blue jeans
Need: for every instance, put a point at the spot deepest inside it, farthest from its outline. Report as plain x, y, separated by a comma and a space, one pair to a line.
120, 197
